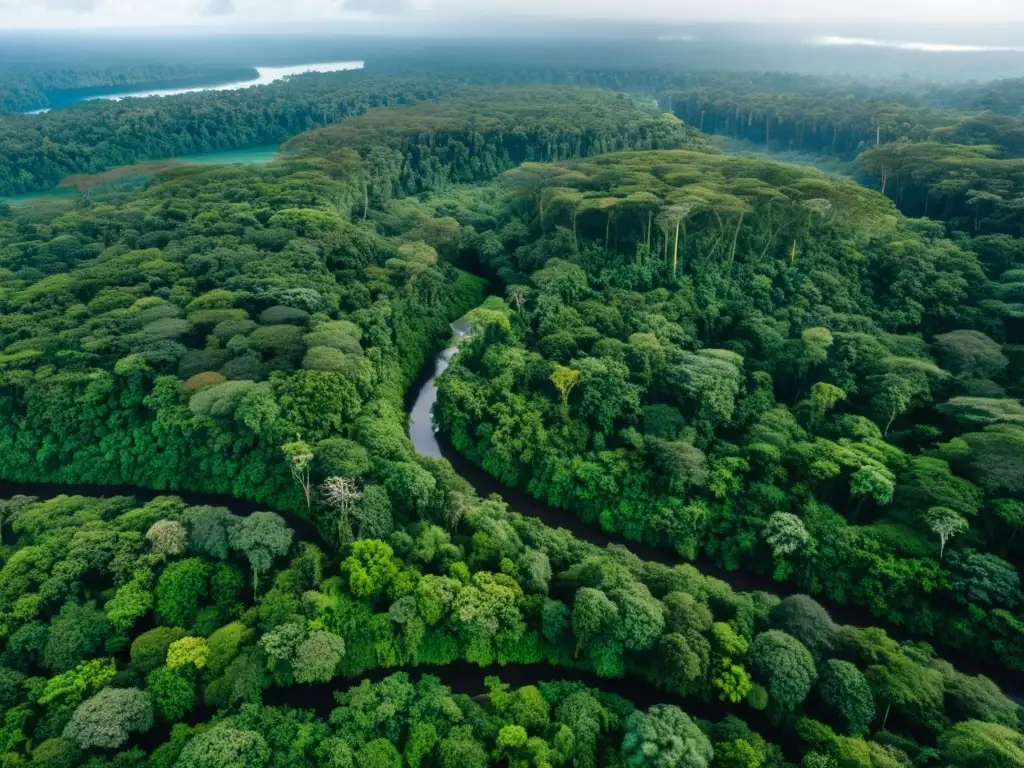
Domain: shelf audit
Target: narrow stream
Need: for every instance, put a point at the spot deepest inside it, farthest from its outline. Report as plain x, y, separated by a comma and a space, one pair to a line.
461, 676
469, 679
421, 425
464, 677
428, 442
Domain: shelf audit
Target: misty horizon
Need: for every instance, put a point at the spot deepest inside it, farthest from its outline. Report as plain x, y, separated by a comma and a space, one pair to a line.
257, 15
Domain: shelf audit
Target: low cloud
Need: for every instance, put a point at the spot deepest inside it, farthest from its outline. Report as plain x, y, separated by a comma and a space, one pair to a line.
219, 8
75, 6
376, 6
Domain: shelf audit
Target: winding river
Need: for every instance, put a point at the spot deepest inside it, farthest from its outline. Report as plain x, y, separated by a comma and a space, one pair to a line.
428, 442
463, 677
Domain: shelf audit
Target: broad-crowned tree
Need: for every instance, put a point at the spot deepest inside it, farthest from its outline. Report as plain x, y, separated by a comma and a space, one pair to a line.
665, 737
109, 718
784, 666
261, 537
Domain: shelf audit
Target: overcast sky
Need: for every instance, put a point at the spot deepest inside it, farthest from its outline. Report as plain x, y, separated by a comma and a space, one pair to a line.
133, 13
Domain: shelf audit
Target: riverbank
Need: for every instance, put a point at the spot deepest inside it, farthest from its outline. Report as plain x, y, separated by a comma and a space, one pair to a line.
428, 442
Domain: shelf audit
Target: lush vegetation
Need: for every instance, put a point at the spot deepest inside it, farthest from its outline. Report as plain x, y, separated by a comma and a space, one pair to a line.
962, 167
475, 134
37, 151
23, 92
746, 360
728, 357
116, 617
205, 323
227, 308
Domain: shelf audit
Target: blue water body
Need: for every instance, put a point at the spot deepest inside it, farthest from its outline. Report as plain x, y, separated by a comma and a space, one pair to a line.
266, 76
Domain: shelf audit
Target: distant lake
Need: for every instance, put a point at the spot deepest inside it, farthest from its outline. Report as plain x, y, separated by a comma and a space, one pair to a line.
16, 201
249, 156
267, 75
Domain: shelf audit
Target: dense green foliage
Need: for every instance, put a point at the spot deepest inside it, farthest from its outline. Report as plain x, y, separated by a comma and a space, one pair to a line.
724, 356
207, 322
965, 168
475, 134
37, 151
770, 367
116, 616
23, 92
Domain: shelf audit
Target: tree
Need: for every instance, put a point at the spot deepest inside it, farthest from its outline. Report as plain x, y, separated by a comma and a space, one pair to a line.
337, 457
571, 199
676, 216
333, 752
411, 487
806, 620
784, 666
281, 648
970, 353
222, 746
300, 461
168, 537
975, 697
71, 687
373, 513
208, 530
608, 396
11, 506
563, 279
261, 537
665, 737
872, 482
75, 635
593, 614
370, 568
318, 656
785, 534
893, 398
108, 718
224, 644
815, 344
517, 295
995, 456
149, 650
565, 380
845, 690
55, 753
188, 650
131, 601
461, 751
974, 744
173, 692
916, 691
945, 523
534, 571
341, 493
525, 706
379, 753
976, 197
824, 397
983, 579
684, 464
178, 591
1010, 512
